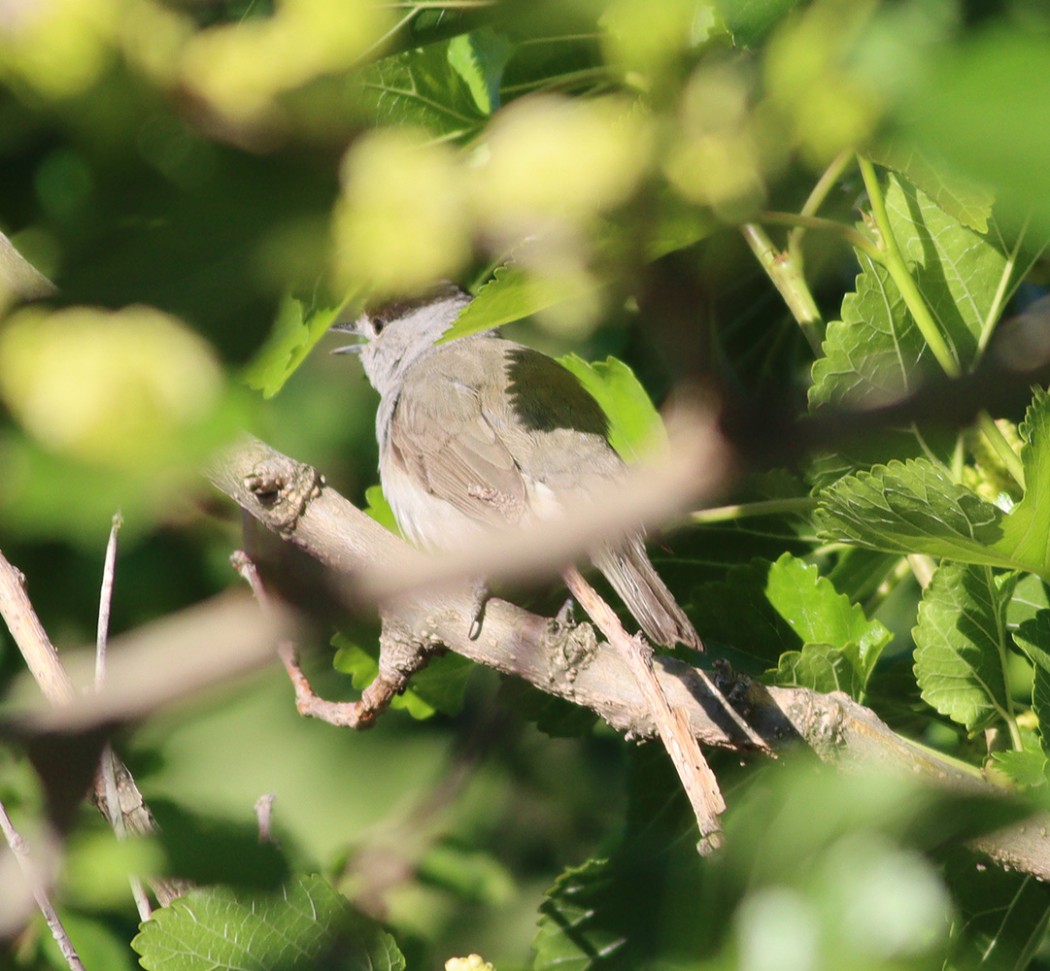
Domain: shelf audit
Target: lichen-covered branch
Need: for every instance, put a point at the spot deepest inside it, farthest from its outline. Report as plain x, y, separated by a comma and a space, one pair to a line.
568, 661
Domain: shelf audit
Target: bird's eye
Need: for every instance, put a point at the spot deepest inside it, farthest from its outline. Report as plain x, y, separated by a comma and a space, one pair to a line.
378, 323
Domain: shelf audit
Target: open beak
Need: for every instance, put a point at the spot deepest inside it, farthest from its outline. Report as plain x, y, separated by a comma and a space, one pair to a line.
347, 328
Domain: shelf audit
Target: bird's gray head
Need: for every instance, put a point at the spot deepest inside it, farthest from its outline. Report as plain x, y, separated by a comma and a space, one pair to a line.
397, 335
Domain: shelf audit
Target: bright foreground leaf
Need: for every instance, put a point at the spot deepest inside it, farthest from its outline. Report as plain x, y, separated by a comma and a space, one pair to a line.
961, 643
635, 426
307, 926
840, 645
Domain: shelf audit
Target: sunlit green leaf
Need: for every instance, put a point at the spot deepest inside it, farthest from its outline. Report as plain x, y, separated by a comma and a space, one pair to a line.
296, 330
307, 926
961, 644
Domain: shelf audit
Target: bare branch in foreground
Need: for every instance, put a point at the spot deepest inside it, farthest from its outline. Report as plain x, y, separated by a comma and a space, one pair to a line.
38, 887
566, 660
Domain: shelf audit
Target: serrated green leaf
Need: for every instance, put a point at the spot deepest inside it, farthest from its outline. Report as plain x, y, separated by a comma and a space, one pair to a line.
961, 644
821, 667
298, 327
420, 87
912, 507
736, 615
1026, 768
512, 294
841, 646
1026, 531
574, 933
967, 201
875, 352
479, 58
818, 613
1033, 637
1041, 704
307, 926
635, 426
915, 507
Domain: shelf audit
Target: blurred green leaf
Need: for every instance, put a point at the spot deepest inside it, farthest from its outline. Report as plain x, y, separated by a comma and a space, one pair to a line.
296, 330
960, 644
97, 944
307, 926
473, 875
979, 106
750, 21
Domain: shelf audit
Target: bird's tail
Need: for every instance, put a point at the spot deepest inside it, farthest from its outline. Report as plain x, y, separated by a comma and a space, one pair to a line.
638, 585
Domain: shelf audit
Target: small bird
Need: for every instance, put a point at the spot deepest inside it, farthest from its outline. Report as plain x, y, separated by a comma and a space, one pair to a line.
484, 431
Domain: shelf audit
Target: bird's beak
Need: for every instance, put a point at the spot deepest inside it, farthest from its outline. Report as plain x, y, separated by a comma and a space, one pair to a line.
347, 328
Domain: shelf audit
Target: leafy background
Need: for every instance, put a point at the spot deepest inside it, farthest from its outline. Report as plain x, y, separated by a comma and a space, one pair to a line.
211, 185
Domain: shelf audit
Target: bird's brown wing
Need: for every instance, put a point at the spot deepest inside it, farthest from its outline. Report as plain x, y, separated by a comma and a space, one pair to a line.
441, 437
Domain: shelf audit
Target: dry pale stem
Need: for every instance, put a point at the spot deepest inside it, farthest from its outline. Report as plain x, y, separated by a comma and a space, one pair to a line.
698, 780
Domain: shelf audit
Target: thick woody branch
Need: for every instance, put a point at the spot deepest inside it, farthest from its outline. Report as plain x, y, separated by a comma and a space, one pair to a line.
567, 660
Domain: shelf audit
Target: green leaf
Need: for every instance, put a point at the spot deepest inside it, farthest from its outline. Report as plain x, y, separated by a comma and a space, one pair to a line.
475, 876
1026, 769
298, 327
1032, 636
875, 351
420, 87
379, 509
915, 507
574, 931
512, 294
553, 716
437, 687
967, 201
1026, 531
750, 21
479, 58
635, 426
818, 613
980, 105
960, 639
912, 507
821, 667
1001, 917
738, 620
840, 645
307, 926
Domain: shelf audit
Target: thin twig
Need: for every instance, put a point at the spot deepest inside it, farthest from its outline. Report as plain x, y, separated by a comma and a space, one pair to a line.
105, 601
107, 768
698, 780
20, 849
